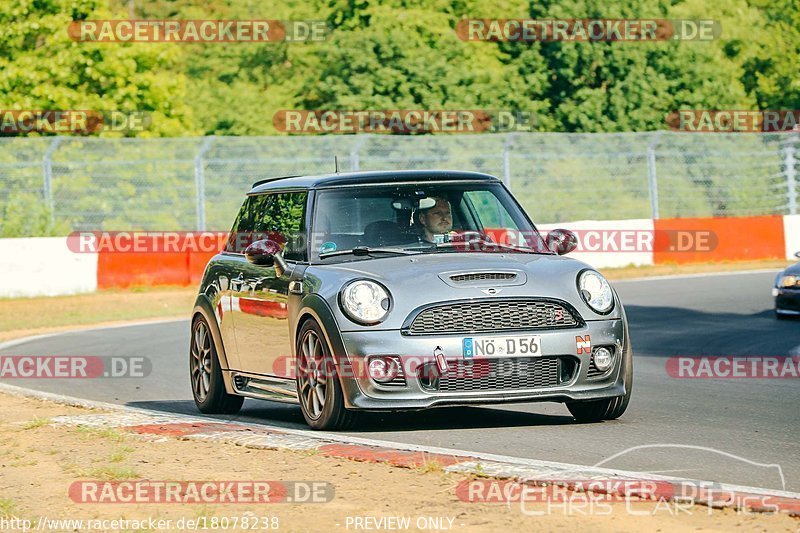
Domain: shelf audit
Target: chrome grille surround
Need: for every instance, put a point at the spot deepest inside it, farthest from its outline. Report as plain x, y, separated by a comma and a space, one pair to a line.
491, 316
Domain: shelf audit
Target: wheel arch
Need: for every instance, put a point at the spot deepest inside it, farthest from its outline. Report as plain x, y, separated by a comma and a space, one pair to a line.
314, 307
202, 308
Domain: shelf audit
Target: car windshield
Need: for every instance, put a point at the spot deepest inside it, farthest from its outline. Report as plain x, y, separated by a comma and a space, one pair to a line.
375, 221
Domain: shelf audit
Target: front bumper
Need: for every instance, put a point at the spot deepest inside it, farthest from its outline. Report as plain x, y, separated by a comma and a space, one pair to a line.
361, 392
787, 301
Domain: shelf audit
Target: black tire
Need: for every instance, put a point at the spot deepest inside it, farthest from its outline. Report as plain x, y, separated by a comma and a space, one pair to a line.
214, 399
610, 409
331, 414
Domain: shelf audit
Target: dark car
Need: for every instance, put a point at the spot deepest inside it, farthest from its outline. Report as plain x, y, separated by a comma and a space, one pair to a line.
403, 290
787, 292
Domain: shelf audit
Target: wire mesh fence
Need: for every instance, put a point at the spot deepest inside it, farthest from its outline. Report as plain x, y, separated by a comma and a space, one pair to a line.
55, 185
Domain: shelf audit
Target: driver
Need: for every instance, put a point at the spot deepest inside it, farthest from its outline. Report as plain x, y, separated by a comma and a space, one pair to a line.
436, 220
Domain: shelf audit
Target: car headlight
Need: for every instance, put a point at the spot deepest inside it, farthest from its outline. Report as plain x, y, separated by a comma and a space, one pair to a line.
596, 291
366, 302
787, 281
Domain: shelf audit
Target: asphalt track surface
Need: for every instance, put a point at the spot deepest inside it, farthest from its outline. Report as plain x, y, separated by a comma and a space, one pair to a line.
727, 430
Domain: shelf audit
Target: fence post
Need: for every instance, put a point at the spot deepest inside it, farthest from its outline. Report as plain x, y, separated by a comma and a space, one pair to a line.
200, 182
507, 159
47, 168
652, 178
789, 162
355, 161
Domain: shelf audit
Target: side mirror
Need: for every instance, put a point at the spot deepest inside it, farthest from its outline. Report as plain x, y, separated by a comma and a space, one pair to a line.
561, 241
797, 255
265, 253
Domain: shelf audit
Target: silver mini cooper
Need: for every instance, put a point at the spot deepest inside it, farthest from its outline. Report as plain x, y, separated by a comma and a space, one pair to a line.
403, 290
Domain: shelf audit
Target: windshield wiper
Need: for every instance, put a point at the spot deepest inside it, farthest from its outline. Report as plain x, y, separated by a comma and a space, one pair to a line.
367, 250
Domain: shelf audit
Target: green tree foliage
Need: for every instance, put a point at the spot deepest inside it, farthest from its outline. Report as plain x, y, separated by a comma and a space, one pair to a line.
406, 55
771, 73
236, 87
630, 86
42, 68
400, 54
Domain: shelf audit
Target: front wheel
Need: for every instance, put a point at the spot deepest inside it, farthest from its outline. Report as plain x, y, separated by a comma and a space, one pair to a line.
208, 387
318, 387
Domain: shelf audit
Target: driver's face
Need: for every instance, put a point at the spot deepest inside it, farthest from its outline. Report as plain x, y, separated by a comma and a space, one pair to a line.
439, 218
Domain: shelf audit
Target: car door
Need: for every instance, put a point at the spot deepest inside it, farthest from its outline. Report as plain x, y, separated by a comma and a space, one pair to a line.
260, 294
226, 272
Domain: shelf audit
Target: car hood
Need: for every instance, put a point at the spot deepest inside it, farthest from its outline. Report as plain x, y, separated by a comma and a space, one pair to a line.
419, 280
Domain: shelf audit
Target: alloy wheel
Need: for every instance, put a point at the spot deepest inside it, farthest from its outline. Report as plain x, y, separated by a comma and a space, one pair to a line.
312, 378
201, 361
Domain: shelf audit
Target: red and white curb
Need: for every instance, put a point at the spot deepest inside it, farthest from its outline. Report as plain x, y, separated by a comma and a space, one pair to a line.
157, 425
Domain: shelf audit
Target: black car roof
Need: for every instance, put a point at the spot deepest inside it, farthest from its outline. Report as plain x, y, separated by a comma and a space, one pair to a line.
368, 177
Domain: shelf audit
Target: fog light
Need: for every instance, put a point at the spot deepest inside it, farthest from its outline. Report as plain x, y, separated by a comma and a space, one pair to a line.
383, 369
602, 358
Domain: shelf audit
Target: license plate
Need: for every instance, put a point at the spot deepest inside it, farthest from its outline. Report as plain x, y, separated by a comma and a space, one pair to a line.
507, 346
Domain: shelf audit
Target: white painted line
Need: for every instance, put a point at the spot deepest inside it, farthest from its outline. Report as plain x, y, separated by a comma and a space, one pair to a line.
502, 462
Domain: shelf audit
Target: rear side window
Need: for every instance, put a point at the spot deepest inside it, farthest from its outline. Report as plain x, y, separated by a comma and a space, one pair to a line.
279, 217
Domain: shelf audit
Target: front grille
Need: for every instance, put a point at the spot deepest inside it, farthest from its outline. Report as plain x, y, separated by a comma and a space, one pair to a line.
499, 374
483, 276
491, 316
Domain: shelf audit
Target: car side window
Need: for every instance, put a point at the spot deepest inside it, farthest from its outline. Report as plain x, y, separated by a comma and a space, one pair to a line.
279, 217
491, 213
